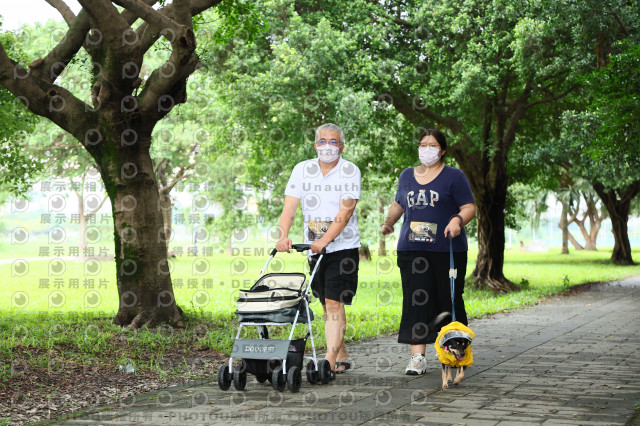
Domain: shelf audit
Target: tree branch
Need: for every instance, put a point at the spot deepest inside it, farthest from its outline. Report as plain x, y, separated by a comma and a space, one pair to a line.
512, 127
106, 17
44, 99
88, 215
512, 105
166, 85
157, 20
418, 114
552, 98
615, 15
148, 37
49, 68
160, 164
181, 175
64, 10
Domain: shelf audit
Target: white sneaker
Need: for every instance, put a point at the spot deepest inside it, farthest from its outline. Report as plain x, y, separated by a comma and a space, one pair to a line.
417, 365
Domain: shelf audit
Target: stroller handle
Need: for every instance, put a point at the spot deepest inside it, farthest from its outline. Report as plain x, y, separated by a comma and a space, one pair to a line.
303, 247
300, 248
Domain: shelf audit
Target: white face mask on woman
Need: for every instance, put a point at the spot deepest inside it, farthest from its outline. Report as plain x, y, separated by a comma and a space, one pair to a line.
328, 153
428, 155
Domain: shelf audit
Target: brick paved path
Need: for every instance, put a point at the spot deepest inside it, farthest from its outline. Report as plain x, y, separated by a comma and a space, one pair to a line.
571, 360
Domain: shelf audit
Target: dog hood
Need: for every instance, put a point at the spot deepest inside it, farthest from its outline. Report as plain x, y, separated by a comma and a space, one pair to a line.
452, 331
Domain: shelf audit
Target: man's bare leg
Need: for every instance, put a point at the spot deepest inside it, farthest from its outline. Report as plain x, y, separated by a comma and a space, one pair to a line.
334, 328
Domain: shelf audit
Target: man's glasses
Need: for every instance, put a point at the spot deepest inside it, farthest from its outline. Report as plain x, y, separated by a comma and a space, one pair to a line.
332, 142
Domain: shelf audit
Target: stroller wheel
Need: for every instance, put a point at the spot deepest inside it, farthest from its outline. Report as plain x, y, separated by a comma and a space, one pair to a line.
324, 368
261, 378
294, 379
224, 378
312, 375
277, 379
240, 377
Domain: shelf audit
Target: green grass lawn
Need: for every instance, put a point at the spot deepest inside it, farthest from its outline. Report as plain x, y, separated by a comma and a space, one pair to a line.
74, 311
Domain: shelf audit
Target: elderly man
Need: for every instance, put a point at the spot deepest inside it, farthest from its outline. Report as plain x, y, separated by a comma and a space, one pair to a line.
329, 187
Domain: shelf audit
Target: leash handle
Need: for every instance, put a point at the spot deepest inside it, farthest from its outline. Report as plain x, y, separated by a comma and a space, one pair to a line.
452, 277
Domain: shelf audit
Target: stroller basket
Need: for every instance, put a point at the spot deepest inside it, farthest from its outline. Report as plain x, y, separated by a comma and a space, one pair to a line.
264, 367
285, 315
272, 293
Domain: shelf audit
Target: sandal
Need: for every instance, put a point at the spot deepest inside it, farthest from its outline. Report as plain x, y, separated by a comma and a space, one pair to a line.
345, 364
332, 375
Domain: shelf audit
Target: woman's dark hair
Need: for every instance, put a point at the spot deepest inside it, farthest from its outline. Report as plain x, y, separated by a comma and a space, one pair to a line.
442, 140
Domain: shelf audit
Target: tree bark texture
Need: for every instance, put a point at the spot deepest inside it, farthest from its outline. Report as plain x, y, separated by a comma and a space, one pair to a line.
167, 208
144, 277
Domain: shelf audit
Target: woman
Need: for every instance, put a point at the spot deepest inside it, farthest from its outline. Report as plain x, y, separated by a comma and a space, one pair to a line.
436, 202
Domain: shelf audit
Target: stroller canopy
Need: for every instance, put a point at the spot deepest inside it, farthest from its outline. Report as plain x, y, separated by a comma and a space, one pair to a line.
289, 280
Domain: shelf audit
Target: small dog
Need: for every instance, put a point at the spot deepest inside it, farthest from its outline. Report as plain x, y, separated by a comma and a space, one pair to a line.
453, 347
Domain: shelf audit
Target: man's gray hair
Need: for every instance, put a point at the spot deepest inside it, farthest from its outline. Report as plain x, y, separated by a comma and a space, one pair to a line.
330, 126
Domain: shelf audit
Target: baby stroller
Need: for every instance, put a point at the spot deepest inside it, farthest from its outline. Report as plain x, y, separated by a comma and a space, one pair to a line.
275, 299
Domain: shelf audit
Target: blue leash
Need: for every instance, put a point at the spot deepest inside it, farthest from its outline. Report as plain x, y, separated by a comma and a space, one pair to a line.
452, 276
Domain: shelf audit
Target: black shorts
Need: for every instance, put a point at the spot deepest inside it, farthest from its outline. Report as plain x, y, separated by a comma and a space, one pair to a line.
337, 276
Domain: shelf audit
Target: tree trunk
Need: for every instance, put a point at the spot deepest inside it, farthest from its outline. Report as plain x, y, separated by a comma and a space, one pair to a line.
490, 204
575, 243
595, 222
564, 226
622, 248
82, 225
167, 210
382, 247
593, 232
583, 230
144, 280
618, 204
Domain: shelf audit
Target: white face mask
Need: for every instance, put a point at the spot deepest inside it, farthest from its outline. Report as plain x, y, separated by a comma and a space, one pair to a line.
328, 153
428, 155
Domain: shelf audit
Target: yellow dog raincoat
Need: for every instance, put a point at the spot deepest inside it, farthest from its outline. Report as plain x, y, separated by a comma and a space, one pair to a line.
455, 329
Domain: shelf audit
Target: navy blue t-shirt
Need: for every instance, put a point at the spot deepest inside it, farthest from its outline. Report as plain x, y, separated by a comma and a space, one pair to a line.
428, 208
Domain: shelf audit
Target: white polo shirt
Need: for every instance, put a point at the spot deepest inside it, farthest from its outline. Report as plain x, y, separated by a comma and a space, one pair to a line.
321, 195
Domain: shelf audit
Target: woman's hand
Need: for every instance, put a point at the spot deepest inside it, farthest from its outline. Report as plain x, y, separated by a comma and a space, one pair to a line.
386, 229
454, 227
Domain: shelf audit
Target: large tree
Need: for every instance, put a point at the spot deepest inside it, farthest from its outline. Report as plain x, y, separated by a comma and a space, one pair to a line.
487, 72
481, 70
606, 131
115, 125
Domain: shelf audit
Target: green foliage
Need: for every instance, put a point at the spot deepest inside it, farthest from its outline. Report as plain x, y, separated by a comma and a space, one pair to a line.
231, 197
18, 164
230, 19
604, 135
526, 204
278, 85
